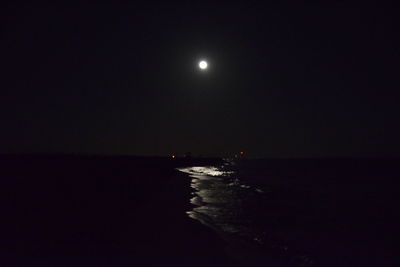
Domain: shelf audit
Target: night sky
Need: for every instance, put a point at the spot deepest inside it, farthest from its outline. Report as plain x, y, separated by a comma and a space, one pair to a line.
282, 82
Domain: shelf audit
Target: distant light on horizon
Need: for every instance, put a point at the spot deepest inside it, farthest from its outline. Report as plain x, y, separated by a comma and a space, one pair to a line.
203, 65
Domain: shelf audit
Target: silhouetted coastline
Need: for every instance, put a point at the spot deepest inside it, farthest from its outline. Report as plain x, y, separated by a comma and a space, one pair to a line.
100, 211
69, 210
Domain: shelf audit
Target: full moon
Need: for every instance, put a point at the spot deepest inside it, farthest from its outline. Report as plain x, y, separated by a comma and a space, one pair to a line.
203, 65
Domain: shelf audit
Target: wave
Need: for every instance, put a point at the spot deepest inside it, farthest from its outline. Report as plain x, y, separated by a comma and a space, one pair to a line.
225, 203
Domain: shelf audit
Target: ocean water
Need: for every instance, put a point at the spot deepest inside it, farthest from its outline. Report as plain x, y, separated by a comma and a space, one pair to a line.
301, 212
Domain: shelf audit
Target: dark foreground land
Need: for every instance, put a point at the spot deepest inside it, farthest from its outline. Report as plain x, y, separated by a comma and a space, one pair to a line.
101, 211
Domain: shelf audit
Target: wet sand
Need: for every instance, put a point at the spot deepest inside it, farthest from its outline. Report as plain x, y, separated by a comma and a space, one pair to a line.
93, 211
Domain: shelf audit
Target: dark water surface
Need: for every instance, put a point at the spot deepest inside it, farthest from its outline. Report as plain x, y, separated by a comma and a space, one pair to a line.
301, 212
129, 211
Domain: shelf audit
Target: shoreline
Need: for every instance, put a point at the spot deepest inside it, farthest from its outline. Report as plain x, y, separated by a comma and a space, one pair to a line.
102, 212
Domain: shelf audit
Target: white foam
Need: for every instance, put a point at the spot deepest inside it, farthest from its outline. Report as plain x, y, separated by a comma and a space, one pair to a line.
205, 170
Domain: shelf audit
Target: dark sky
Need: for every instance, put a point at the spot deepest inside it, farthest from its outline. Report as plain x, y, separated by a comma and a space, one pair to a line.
282, 82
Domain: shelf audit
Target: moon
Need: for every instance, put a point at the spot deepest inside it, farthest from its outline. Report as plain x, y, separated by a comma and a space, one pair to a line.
203, 65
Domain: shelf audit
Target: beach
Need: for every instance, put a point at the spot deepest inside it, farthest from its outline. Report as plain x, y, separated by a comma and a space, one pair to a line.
101, 211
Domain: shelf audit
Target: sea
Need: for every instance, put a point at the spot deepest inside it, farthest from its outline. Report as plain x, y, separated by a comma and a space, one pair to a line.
301, 212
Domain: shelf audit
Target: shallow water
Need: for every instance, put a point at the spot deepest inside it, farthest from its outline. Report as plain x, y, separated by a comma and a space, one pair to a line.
326, 213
